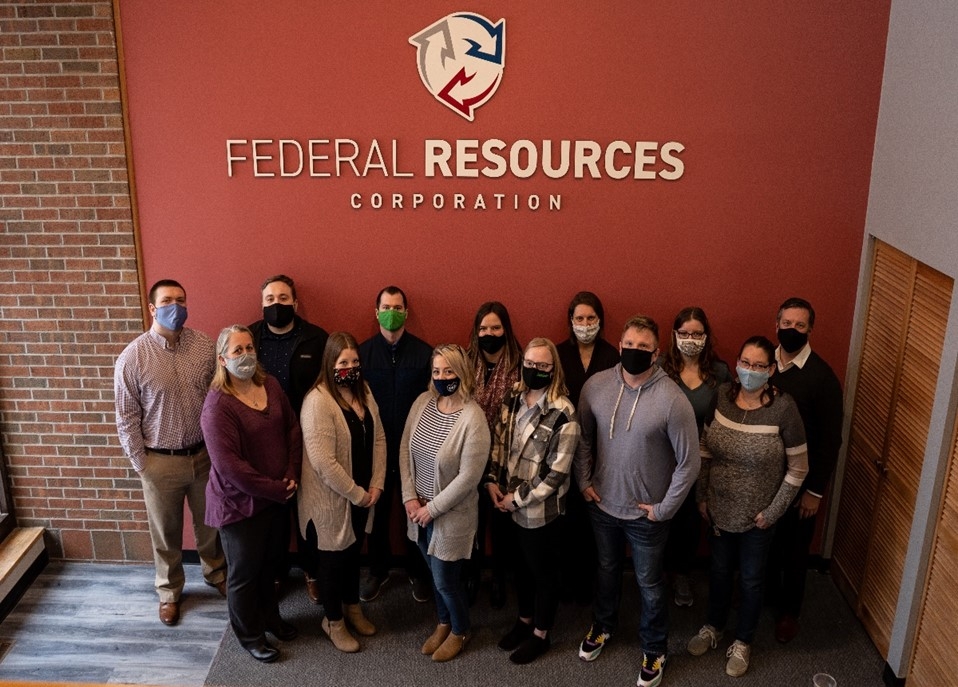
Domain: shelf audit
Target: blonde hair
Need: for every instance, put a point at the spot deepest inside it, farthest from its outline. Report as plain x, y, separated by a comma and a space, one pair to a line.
557, 387
457, 359
222, 379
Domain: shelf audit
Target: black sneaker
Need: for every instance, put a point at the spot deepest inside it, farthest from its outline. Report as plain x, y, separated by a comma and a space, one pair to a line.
652, 667
421, 589
371, 587
593, 643
514, 637
532, 648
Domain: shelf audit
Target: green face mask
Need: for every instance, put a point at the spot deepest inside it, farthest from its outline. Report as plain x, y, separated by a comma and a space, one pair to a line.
391, 320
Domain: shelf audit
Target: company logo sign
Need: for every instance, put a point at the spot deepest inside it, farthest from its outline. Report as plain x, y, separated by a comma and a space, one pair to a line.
461, 58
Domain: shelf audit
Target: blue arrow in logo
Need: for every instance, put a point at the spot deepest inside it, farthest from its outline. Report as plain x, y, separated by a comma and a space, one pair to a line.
493, 30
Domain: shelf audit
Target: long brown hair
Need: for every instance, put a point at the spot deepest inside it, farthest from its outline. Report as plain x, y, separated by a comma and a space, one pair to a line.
335, 345
672, 361
511, 351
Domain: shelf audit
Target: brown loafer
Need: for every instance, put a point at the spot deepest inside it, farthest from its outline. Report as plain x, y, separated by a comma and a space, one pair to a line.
170, 612
312, 589
221, 587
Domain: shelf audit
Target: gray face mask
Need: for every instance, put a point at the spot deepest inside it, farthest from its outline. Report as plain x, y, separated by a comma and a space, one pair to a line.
690, 347
242, 367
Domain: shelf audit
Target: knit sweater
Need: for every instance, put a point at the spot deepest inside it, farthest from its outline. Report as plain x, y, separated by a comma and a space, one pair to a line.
753, 461
535, 465
459, 467
638, 445
327, 489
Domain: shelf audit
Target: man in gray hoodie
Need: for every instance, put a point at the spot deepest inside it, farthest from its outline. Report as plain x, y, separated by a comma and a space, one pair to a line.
636, 461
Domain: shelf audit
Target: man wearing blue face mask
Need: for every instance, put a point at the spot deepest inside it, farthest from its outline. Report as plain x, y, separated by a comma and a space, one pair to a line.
637, 459
290, 349
159, 383
805, 376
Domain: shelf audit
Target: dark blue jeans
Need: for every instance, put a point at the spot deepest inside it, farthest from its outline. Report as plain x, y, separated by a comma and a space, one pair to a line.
452, 604
747, 551
647, 540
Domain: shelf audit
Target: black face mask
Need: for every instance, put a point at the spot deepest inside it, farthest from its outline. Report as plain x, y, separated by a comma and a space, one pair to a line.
792, 340
446, 387
278, 315
636, 361
492, 344
535, 379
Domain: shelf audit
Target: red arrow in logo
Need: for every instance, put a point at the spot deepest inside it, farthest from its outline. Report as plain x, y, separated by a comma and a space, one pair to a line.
464, 106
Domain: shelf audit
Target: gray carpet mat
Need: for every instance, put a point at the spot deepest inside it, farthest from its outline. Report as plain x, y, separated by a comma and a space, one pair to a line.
832, 640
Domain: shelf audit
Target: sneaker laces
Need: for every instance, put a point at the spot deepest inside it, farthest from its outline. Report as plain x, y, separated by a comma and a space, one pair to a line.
709, 635
655, 661
738, 650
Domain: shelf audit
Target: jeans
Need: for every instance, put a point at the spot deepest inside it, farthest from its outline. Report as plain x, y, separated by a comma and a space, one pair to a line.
748, 551
647, 540
452, 605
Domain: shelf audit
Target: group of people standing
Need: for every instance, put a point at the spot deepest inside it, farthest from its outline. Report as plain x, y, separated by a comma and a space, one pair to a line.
564, 452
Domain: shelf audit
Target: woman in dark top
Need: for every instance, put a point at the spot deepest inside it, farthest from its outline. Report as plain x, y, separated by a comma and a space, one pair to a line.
342, 481
583, 354
256, 450
690, 360
494, 354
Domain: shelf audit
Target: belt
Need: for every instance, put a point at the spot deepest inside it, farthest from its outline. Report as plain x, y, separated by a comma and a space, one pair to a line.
188, 451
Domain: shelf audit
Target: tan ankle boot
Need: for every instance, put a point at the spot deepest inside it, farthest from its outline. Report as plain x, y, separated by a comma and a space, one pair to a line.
436, 639
450, 648
359, 622
342, 640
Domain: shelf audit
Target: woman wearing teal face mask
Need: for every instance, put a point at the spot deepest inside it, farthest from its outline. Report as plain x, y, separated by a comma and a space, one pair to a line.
754, 459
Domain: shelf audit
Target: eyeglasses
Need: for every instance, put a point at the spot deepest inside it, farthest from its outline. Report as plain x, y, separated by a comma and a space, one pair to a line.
695, 336
542, 367
758, 367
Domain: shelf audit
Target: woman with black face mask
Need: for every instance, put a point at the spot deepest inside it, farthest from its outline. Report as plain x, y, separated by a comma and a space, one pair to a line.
494, 354
343, 477
445, 446
534, 442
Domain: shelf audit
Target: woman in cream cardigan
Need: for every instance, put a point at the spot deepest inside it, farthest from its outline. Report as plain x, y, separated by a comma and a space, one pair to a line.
343, 475
443, 453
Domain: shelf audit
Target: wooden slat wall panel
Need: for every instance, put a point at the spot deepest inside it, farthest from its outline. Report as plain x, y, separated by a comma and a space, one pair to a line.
933, 662
889, 298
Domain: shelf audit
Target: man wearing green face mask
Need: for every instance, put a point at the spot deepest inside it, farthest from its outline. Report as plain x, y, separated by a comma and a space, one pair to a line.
396, 365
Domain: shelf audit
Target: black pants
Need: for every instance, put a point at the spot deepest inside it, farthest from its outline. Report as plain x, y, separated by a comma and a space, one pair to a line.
337, 572
579, 560
379, 549
788, 562
684, 536
537, 572
252, 547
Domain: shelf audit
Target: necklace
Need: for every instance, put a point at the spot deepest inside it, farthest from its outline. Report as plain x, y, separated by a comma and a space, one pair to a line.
252, 397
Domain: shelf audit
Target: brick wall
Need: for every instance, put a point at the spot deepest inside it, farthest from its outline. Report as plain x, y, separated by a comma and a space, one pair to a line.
69, 295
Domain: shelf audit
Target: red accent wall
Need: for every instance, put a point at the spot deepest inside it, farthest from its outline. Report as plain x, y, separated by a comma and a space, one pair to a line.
776, 108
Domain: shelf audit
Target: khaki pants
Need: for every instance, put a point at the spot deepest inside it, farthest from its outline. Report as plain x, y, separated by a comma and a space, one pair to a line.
167, 480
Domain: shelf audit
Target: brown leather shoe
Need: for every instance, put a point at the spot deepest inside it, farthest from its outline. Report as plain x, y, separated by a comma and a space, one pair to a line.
312, 589
170, 612
786, 628
221, 587
450, 648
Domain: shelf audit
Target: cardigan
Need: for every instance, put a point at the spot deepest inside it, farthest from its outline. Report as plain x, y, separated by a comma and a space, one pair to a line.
327, 489
459, 467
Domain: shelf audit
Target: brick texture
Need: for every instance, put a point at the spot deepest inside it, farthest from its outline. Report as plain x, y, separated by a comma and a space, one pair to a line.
67, 265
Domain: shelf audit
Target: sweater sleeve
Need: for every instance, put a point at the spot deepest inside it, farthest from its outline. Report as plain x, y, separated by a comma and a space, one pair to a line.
319, 440
683, 433
796, 457
378, 479
473, 456
826, 441
294, 437
585, 451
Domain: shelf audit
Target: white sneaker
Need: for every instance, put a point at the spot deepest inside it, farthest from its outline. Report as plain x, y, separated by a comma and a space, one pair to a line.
738, 655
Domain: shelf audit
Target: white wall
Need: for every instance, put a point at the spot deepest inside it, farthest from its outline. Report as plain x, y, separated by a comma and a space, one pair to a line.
913, 205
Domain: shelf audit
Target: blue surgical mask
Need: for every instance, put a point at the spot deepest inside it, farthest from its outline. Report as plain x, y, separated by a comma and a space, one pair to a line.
752, 380
446, 387
172, 316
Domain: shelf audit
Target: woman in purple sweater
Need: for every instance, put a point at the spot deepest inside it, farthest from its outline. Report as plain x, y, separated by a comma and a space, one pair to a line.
256, 450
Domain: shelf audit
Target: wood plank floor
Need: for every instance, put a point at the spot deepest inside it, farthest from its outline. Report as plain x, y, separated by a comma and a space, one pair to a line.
94, 622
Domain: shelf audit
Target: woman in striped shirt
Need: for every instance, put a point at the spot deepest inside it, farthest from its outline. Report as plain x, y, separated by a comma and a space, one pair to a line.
444, 450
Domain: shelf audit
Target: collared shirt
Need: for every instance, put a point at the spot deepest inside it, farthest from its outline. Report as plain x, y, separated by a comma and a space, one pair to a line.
276, 351
160, 390
798, 361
